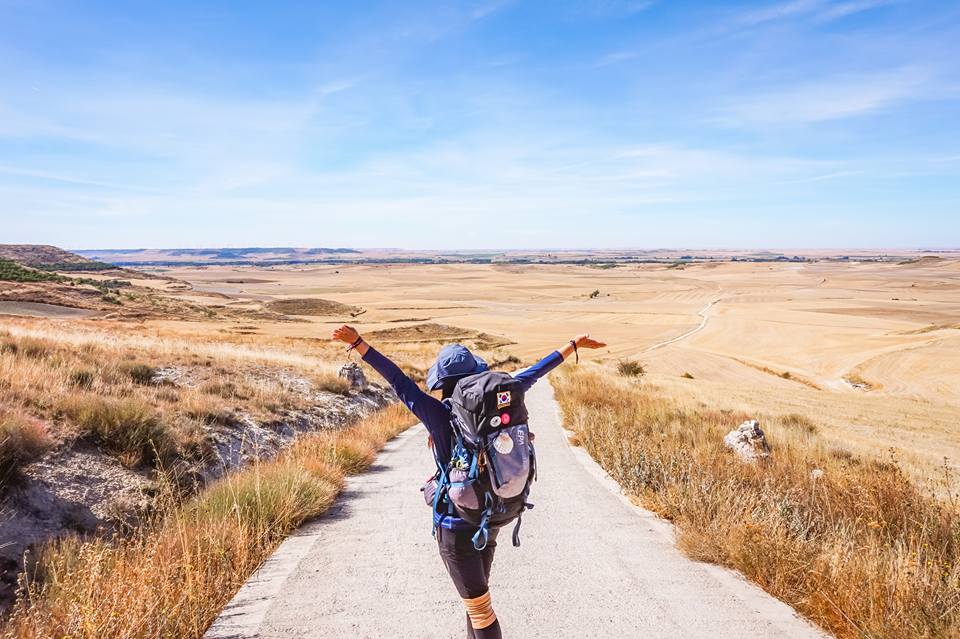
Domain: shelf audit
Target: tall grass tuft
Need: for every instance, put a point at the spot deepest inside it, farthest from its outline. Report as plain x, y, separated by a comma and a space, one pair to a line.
630, 368
140, 373
173, 577
852, 544
126, 427
22, 440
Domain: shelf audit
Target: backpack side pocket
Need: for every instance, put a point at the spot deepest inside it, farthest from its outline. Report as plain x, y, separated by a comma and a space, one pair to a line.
508, 450
464, 494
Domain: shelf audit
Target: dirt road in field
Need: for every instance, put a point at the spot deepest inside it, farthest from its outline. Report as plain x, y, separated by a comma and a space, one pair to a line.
590, 565
704, 318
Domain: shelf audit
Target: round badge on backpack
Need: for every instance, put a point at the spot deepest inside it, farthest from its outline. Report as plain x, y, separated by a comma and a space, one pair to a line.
503, 443
495, 421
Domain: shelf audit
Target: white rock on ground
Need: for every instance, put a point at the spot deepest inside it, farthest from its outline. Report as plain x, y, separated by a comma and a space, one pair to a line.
354, 375
748, 441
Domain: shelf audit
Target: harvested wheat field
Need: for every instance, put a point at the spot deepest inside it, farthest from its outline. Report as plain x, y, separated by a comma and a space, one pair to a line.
870, 351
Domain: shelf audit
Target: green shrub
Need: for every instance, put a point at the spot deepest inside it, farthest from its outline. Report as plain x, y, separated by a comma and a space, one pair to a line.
76, 266
11, 271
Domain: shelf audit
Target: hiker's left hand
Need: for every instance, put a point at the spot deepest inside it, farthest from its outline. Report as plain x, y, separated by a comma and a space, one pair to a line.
585, 341
346, 334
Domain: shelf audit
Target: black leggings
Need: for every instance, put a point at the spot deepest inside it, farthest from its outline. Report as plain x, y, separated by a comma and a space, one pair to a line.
470, 571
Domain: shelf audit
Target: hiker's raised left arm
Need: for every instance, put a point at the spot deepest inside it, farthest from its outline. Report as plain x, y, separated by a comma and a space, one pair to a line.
554, 359
421, 404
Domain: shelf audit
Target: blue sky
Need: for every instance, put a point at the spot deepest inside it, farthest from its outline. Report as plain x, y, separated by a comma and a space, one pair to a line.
485, 124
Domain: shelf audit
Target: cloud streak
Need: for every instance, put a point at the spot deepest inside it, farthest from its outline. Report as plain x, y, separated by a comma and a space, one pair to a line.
817, 10
831, 98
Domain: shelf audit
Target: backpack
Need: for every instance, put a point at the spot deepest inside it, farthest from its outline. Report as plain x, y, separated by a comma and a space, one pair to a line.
493, 463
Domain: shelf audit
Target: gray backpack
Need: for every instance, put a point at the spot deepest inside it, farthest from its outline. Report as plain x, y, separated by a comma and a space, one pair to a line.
487, 481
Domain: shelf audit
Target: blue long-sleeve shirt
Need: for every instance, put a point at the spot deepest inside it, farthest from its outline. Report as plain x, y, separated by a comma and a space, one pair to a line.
432, 412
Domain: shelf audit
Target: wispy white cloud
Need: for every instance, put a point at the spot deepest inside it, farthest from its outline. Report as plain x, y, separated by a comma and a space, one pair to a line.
844, 9
831, 98
613, 7
778, 12
489, 7
818, 10
615, 57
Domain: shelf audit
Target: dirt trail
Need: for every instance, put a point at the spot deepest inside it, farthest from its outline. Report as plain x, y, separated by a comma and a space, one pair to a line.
591, 564
705, 316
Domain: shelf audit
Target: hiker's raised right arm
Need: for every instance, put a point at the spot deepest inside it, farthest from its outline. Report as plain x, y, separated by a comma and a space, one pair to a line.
420, 403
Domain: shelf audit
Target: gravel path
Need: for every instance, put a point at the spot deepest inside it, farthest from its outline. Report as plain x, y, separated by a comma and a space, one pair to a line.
591, 564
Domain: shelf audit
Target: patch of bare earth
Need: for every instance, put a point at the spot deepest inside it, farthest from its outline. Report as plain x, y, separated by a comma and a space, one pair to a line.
432, 332
311, 306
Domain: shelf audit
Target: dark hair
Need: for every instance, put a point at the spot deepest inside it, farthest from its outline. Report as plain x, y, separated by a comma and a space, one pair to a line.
449, 383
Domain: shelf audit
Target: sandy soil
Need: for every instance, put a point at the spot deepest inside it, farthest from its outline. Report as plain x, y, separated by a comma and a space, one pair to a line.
832, 326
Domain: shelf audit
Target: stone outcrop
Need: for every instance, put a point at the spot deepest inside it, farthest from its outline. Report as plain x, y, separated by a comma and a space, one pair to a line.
354, 375
748, 442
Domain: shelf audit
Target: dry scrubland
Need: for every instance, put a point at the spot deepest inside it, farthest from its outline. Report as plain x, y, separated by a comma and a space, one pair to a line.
109, 384
853, 369
172, 577
851, 543
869, 350
60, 382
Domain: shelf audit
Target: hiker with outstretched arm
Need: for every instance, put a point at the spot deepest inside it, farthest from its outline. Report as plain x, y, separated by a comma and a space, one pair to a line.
484, 455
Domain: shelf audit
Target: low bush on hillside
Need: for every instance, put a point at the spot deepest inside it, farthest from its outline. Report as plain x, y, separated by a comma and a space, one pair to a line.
82, 378
630, 368
126, 427
173, 577
851, 543
11, 271
140, 373
81, 266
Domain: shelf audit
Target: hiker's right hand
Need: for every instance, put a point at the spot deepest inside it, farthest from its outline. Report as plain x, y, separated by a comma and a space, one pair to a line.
346, 334
585, 341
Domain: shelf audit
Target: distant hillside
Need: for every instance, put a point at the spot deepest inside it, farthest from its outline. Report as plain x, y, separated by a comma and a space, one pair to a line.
225, 256
49, 258
600, 258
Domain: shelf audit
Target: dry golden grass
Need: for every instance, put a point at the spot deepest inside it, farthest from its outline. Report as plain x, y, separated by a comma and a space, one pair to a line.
22, 439
173, 577
859, 549
102, 384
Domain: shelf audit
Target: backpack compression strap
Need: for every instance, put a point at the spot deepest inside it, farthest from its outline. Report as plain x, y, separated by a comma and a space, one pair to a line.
483, 532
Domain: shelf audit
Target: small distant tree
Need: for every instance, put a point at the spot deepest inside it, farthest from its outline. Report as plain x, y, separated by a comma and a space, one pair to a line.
596, 293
